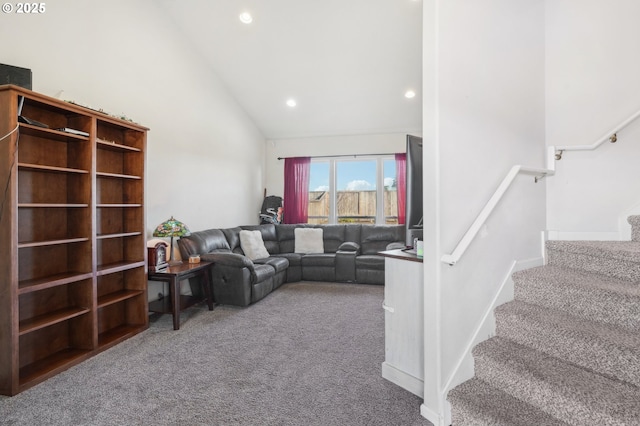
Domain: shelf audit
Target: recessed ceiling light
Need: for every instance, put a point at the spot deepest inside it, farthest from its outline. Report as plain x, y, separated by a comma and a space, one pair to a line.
291, 103
246, 18
409, 94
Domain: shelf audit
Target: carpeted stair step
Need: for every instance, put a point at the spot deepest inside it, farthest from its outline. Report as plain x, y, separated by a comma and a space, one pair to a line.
618, 259
565, 391
591, 296
603, 348
476, 403
635, 227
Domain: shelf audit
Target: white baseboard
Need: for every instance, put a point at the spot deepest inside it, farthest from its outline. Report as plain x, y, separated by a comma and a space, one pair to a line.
402, 379
434, 418
521, 265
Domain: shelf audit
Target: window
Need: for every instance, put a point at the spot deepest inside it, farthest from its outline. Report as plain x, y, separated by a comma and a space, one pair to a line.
319, 197
390, 193
347, 190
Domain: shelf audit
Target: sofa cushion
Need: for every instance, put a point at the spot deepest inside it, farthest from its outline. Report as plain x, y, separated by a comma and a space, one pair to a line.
286, 237
269, 236
233, 238
319, 259
262, 273
308, 240
332, 237
295, 259
370, 261
252, 245
319, 267
278, 263
375, 238
352, 232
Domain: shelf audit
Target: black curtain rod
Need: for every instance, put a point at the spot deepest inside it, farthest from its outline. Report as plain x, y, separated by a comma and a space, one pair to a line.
346, 155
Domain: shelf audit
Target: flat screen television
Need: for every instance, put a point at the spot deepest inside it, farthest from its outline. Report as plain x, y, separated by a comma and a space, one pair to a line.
413, 203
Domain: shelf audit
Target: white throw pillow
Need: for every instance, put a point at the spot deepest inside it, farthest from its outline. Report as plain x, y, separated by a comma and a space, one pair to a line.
308, 240
252, 245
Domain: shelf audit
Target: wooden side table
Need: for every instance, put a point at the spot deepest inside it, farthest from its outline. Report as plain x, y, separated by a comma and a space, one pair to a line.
174, 275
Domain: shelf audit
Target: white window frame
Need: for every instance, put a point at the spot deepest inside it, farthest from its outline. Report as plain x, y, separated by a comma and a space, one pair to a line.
333, 192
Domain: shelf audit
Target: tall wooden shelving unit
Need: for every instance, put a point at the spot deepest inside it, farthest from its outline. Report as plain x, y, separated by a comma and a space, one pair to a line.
72, 236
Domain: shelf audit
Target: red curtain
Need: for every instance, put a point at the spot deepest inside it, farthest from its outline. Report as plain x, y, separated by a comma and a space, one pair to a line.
401, 182
296, 189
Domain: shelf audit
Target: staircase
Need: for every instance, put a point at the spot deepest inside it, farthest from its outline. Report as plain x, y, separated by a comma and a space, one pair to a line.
567, 349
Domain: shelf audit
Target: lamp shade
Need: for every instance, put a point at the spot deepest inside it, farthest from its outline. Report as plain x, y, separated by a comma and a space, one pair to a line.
171, 228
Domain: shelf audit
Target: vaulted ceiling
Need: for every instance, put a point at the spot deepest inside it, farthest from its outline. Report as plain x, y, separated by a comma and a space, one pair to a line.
346, 63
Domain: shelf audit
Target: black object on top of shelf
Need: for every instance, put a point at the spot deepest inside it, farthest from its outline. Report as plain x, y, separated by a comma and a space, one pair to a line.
10, 74
23, 119
73, 131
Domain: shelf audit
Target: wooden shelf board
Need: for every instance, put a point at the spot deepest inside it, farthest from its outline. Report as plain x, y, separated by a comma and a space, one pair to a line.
118, 267
115, 146
49, 133
107, 206
53, 169
51, 365
50, 205
50, 318
51, 242
117, 296
117, 175
119, 235
117, 334
27, 286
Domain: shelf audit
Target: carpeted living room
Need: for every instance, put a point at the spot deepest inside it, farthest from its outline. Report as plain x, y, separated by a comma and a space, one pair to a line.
309, 353
193, 131
208, 212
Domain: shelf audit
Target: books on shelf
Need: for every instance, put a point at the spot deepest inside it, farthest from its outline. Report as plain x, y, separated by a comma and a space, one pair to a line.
73, 131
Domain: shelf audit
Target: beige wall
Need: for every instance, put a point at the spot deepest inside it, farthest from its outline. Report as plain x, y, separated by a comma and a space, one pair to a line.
592, 86
205, 156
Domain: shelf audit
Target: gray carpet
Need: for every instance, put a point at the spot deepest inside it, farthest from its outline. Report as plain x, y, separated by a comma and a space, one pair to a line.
308, 354
567, 349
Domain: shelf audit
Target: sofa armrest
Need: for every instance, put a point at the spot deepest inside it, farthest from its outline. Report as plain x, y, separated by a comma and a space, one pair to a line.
231, 260
349, 246
396, 246
228, 259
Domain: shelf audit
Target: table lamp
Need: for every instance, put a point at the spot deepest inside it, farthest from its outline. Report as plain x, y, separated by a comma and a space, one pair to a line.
172, 228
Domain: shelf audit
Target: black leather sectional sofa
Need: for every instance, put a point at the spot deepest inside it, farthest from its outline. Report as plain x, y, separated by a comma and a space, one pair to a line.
350, 254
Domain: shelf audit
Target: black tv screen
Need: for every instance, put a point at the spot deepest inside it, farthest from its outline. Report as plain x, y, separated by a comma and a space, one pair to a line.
413, 206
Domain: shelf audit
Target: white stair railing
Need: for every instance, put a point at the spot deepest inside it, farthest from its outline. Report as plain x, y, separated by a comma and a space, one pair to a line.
611, 136
554, 153
468, 237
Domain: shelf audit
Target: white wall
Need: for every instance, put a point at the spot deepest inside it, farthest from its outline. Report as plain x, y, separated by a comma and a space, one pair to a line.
592, 66
487, 114
329, 145
205, 156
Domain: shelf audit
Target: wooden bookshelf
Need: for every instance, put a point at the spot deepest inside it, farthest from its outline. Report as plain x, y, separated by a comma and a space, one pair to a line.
72, 224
